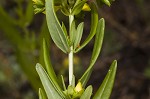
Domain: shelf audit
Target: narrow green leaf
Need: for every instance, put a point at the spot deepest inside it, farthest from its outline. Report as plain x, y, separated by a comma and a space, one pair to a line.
29, 13
77, 2
44, 33
73, 81
63, 82
71, 2
64, 3
54, 27
77, 9
78, 35
96, 51
49, 67
7, 25
50, 88
87, 93
64, 29
65, 11
106, 87
4, 16
27, 66
39, 10
72, 32
65, 7
70, 90
47, 62
107, 2
41, 94
98, 40
94, 21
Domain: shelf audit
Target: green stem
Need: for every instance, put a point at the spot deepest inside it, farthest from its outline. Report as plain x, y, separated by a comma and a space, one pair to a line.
71, 18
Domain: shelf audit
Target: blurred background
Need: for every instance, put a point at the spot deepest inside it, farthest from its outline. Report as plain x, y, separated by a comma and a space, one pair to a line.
127, 39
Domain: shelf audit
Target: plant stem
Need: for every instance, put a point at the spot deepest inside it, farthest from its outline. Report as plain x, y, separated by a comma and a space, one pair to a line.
71, 65
71, 18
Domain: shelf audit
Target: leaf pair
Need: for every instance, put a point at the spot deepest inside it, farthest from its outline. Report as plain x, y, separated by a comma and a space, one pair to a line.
76, 34
94, 22
58, 33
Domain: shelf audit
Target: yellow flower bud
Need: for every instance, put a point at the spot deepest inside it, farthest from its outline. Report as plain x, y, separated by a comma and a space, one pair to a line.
35, 1
78, 87
86, 7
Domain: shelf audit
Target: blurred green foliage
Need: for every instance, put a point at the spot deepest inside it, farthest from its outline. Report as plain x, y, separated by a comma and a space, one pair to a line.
15, 24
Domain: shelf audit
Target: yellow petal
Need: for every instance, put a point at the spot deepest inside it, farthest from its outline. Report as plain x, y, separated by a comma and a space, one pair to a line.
78, 87
86, 7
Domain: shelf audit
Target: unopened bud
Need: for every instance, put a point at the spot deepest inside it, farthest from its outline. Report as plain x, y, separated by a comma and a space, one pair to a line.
78, 87
86, 7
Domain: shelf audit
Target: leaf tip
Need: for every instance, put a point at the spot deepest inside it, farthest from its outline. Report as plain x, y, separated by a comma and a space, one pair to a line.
102, 20
115, 62
114, 65
44, 40
40, 90
38, 66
